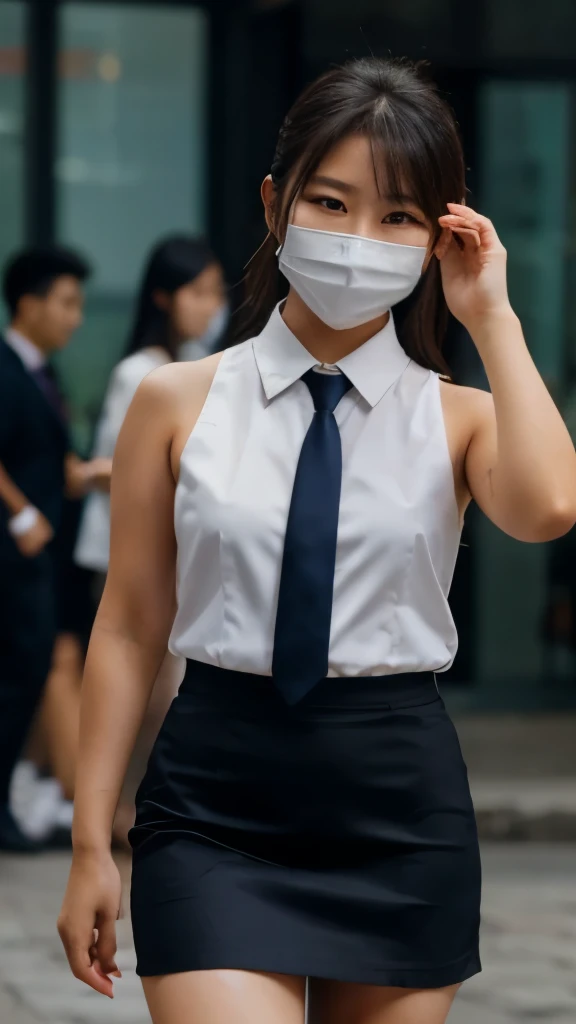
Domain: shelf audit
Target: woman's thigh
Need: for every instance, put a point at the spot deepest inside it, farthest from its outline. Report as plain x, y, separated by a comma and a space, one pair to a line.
225, 997
335, 1002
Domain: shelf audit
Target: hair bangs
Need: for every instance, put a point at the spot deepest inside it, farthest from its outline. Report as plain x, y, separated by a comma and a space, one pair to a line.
399, 154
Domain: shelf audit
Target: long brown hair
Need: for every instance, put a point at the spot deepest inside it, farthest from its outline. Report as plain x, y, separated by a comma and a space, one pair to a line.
415, 146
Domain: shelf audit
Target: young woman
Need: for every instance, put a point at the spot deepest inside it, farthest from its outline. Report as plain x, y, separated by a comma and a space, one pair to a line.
306, 810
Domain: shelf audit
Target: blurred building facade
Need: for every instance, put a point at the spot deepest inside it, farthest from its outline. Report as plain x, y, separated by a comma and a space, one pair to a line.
122, 121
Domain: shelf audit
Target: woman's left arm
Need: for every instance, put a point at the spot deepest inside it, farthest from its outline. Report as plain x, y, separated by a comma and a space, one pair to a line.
521, 463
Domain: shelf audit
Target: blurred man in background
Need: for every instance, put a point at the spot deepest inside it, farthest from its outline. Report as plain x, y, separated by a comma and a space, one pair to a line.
44, 296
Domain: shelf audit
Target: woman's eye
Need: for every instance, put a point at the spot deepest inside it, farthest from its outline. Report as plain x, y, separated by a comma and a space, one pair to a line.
329, 203
399, 217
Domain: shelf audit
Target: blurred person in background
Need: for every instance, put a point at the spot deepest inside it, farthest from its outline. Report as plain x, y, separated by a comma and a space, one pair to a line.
43, 291
181, 314
43, 783
288, 516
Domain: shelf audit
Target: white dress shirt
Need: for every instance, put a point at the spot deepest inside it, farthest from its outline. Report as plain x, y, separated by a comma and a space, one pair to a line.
93, 544
31, 356
399, 528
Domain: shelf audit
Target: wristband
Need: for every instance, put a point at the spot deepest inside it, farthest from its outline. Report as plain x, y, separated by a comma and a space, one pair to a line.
23, 521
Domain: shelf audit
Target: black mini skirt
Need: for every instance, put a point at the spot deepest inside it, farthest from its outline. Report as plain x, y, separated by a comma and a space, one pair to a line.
332, 839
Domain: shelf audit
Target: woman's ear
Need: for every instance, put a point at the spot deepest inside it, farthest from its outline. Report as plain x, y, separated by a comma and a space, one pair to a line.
443, 244
267, 193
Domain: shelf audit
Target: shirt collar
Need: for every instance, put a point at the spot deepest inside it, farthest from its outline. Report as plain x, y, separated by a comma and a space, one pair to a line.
372, 368
30, 355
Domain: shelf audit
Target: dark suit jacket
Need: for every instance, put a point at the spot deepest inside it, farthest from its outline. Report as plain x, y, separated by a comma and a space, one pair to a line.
33, 445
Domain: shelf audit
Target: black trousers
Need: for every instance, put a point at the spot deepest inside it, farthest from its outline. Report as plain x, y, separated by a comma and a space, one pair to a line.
27, 632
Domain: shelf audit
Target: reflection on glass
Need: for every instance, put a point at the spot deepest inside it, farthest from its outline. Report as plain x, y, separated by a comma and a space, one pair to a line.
12, 72
526, 152
131, 162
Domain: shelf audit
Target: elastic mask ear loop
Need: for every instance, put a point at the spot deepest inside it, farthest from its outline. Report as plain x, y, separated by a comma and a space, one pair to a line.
281, 246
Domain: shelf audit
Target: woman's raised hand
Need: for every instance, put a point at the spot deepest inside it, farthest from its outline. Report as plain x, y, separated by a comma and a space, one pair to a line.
473, 264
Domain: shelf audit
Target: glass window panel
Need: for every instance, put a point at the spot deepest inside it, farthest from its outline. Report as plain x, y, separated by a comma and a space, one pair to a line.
131, 164
516, 29
12, 83
339, 29
526, 131
527, 186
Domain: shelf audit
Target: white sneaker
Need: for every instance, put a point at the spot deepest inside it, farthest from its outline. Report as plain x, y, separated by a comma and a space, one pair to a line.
22, 787
35, 802
64, 814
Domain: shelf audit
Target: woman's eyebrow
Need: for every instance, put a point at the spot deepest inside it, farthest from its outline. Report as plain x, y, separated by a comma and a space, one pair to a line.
401, 197
322, 179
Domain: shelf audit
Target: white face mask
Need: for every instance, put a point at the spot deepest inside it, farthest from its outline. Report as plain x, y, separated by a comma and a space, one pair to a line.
205, 345
348, 280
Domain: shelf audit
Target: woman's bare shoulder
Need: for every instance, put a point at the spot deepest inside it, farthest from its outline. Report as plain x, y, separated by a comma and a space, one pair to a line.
178, 380
172, 397
177, 389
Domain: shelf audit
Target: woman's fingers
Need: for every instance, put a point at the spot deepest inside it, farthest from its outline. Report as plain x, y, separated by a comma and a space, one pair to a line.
462, 239
470, 236
472, 218
483, 225
84, 956
106, 944
84, 968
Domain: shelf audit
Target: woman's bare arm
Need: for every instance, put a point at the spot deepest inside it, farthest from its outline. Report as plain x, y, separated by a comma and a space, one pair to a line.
126, 649
520, 463
131, 629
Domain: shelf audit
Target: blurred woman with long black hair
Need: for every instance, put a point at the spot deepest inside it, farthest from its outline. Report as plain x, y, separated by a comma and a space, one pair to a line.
181, 314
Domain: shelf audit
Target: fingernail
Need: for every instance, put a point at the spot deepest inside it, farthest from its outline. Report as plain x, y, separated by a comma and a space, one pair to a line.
117, 974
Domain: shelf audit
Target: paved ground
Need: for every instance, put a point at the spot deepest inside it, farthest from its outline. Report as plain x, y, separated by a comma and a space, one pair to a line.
529, 946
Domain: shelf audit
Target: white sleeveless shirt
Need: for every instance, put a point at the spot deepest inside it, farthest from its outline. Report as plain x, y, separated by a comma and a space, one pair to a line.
399, 528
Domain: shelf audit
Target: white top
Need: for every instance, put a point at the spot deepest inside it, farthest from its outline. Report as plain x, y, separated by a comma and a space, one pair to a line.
399, 528
93, 544
32, 357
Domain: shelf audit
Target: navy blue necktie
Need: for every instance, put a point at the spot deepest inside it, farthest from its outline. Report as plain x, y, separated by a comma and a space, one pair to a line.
302, 635
46, 381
